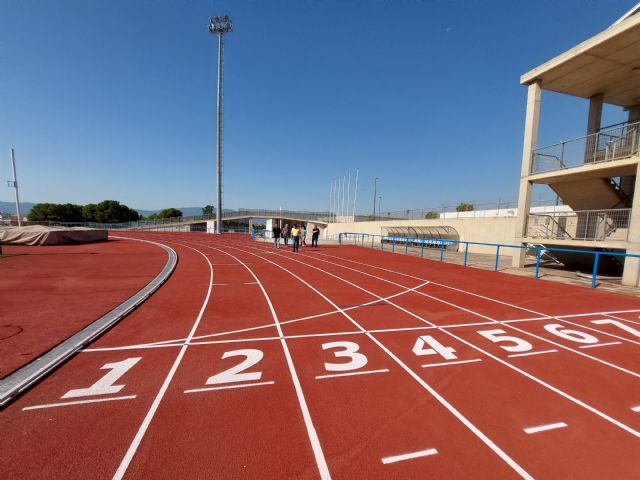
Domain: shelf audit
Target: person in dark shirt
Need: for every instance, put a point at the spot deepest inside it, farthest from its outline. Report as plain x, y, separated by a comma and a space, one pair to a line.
276, 235
315, 233
285, 234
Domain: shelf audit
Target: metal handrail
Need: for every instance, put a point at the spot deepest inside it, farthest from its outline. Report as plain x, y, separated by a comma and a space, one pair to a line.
601, 131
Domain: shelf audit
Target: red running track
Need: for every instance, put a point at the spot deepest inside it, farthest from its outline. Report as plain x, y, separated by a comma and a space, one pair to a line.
49, 293
341, 362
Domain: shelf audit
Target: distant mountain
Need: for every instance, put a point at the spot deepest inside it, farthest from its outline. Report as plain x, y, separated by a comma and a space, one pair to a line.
10, 207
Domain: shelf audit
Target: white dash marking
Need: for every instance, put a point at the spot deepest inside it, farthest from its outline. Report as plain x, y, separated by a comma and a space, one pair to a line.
600, 345
542, 428
451, 363
636, 408
532, 353
219, 284
409, 456
250, 283
78, 402
365, 372
227, 387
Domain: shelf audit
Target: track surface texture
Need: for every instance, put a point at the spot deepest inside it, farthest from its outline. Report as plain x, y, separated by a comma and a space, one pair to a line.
49, 293
340, 362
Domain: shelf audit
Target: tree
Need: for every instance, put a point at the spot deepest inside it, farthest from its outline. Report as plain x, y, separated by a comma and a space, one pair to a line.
208, 210
465, 207
54, 212
431, 214
109, 211
170, 213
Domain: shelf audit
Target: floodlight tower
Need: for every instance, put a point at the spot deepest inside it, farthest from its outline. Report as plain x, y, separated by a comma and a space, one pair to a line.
219, 26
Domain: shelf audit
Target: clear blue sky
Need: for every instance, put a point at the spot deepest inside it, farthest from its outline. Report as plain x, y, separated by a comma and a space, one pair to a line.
116, 99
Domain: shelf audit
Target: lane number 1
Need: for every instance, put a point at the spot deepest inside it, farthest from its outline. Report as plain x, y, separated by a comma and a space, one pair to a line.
105, 385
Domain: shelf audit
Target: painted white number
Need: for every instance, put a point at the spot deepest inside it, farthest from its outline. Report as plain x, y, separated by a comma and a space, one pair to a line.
105, 385
498, 335
618, 324
436, 348
573, 335
358, 360
232, 374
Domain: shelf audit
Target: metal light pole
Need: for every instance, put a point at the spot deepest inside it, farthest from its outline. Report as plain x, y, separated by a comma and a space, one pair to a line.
219, 26
355, 196
14, 184
380, 206
375, 194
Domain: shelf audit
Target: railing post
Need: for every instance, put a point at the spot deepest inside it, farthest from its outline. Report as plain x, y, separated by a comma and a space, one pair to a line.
497, 254
381, 243
393, 245
422, 248
406, 246
441, 251
340, 238
466, 252
595, 270
538, 254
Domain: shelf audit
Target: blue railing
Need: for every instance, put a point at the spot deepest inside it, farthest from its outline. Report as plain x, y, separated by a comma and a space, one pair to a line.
369, 240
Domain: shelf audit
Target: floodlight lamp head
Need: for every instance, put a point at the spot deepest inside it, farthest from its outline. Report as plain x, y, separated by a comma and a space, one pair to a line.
220, 25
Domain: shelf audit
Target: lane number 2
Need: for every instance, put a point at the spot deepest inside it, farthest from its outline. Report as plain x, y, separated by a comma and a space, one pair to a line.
233, 374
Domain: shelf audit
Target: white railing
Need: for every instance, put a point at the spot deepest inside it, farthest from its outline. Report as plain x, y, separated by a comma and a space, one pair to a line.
592, 225
610, 143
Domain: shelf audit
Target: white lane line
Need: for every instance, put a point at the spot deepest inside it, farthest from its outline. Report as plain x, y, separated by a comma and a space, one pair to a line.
497, 359
468, 292
600, 345
78, 402
135, 443
636, 408
231, 332
465, 421
228, 387
545, 339
250, 283
532, 353
543, 428
409, 456
366, 372
219, 284
450, 363
314, 440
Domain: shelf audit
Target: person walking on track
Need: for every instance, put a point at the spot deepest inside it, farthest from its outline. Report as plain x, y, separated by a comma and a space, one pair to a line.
285, 234
303, 235
295, 233
276, 235
315, 233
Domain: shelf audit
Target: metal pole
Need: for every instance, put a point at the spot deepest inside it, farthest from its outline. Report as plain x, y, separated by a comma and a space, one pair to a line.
15, 185
330, 199
344, 180
355, 195
380, 206
219, 143
336, 200
375, 194
348, 193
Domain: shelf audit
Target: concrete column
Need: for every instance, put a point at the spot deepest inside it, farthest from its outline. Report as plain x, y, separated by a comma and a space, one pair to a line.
530, 140
595, 113
631, 272
634, 114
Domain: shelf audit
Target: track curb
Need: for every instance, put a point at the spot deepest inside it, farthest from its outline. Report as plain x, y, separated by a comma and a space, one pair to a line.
24, 378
